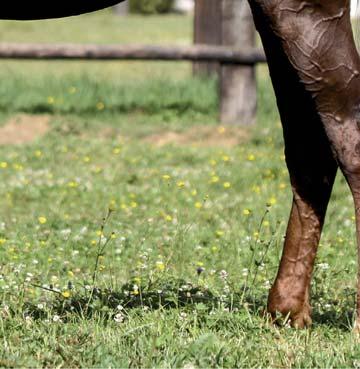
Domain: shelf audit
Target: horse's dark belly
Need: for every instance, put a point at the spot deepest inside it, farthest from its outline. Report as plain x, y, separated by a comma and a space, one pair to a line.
43, 9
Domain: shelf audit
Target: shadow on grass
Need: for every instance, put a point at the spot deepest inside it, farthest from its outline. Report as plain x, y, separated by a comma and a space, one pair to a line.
176, 294
333, 318
169, 294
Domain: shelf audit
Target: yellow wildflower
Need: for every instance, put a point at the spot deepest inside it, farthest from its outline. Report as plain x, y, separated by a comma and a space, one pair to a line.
18, 166
42, 220
73, 184
181, 184
160, 266
100, 105
112, 205
116, 151
272, 201
66, 294
219, 233
256, 189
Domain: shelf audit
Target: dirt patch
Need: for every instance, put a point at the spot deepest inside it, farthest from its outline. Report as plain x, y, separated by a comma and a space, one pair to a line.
201, 136
23, 128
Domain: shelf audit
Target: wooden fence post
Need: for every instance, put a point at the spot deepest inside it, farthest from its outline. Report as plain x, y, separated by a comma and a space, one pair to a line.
207, 30
237, 83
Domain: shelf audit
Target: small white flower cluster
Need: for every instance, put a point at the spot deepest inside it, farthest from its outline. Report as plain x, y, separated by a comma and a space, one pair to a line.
56, 319
323, 266
119, 317
223, 275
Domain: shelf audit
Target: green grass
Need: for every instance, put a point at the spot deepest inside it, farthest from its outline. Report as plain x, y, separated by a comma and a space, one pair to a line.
193, 240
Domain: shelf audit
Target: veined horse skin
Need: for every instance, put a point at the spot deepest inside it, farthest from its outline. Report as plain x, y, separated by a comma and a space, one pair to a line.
315, 70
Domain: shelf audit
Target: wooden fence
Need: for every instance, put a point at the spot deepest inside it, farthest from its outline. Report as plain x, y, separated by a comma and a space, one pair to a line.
225, 26
220, 54
226, 57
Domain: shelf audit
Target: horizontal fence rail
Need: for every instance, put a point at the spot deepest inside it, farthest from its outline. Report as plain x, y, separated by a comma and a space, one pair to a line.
221, 54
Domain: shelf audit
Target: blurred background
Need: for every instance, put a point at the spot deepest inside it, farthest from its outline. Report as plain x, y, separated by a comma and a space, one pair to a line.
147, 22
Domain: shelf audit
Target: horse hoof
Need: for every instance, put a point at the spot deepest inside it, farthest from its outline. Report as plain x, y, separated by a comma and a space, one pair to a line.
301, 321
297, 317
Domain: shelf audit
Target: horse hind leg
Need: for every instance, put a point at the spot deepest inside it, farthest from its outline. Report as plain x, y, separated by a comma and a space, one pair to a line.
312, 169
347, 144
311, 185
325, 60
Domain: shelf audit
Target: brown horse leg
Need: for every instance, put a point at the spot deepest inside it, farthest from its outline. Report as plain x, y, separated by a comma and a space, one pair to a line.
312, 182
352, 174
317, 90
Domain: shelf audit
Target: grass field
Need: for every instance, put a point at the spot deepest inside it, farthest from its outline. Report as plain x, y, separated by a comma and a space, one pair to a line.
137, 231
